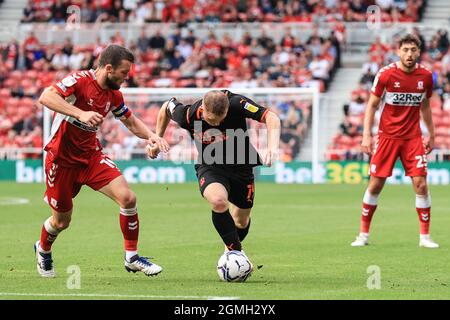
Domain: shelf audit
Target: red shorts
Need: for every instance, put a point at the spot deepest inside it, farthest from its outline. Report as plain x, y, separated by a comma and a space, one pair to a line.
64, 183
387, 151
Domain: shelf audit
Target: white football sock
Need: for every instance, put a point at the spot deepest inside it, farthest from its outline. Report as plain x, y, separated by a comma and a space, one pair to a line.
130, 254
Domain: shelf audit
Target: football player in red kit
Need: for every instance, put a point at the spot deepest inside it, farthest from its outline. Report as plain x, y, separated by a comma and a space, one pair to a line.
74, 155
404, 88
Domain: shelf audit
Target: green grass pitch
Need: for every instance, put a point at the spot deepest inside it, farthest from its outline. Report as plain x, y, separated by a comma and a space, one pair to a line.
301, 235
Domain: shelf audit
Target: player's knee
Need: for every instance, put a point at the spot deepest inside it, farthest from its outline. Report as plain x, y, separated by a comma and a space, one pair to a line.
242, 222
128, 200
421, 187
61, 225
219, 204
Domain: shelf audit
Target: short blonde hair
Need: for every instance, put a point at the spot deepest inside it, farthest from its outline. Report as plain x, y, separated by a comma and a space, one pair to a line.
216, 102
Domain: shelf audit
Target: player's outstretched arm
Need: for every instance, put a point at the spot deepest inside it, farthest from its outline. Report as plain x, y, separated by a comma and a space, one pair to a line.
428, 119
139, 129
369, 115
163, 120
161, 125
273, 137
53, 100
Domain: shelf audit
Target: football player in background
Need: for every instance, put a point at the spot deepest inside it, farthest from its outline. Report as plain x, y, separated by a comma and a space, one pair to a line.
74, 155
404, 88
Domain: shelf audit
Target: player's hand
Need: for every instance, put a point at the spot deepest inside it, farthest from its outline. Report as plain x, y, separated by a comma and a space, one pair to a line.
152, 151
366, 145
162, 144
270, 158
91, 118
428, 144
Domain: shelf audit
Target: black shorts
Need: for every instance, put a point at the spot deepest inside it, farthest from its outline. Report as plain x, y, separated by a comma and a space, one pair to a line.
239, 183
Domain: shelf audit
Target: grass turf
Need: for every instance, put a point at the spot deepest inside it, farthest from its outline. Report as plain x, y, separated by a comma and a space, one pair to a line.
301, 235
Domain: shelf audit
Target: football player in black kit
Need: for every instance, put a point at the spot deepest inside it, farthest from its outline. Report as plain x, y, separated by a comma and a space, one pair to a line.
218, 125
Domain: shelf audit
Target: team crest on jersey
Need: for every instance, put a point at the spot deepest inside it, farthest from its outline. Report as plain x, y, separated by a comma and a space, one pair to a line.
396, 84
211, 136
108, 105
420, 85
91, 102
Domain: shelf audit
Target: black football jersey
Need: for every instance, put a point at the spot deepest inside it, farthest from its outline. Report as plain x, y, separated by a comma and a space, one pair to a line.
228, 143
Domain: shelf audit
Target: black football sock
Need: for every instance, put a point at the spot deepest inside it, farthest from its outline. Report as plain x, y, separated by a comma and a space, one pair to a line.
242, 233
224, 224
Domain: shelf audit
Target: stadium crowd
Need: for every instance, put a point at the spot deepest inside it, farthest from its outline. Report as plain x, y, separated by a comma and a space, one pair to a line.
174, 61
185, 11
435, 55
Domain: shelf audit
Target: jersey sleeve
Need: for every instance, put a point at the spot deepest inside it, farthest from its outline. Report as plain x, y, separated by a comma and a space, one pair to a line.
178, 112
380, 82
248, 107
119, 108
69, 85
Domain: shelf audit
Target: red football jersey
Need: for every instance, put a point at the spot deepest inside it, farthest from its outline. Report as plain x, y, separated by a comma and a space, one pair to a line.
402, 95
71, 141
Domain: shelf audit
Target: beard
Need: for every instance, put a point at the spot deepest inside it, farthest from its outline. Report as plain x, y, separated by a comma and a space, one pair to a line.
409, 64
112, 84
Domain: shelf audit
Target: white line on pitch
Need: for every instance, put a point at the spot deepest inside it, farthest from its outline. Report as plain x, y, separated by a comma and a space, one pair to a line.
99, 295
13, 201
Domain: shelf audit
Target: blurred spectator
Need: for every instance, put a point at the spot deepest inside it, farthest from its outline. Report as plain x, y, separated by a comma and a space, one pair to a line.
60, 60
349, 128
143, 42
76, 59
157, 41
28, 13
292, 130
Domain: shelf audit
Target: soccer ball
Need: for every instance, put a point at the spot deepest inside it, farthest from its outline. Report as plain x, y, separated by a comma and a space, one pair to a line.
234, 266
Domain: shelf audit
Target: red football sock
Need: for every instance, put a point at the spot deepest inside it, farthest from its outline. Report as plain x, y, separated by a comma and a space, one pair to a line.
48, 236
129, 224
424, 219
366, 217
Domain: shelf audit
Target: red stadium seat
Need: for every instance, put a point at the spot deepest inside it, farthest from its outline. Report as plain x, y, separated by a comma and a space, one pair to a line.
442, 131
31, 74
5, 93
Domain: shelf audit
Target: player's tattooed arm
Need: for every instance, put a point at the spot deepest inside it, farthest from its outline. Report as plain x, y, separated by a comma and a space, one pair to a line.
53, 100
369, 116
273, 137
428, 120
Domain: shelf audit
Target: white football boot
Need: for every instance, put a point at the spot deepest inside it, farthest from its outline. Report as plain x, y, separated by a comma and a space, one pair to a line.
44, 262
361, 240
137, 263
427, 242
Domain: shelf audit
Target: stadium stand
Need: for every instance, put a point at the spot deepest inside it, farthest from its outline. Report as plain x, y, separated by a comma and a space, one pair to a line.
173, 61
185, 11
184, 59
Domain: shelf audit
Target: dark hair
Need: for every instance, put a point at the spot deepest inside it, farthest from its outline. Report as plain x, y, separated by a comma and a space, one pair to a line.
113, 55
216, 102
409, 38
